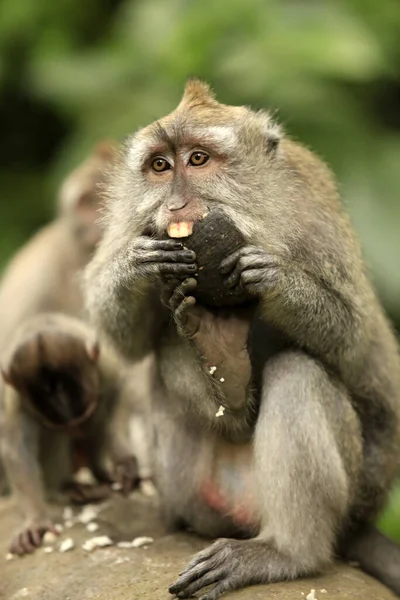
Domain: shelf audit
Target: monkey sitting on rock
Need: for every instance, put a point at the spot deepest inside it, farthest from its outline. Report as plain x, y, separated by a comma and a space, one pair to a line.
60, 386
278, 426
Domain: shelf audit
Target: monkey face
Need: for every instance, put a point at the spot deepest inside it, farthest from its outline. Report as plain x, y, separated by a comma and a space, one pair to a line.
57, 377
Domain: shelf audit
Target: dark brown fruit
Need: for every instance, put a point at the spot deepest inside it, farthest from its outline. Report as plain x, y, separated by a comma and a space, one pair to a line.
213, 239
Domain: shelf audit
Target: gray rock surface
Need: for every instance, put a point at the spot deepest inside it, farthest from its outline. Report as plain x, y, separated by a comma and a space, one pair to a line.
141, 573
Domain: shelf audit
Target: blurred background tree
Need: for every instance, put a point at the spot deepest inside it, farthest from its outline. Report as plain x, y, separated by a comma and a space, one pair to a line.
73, 72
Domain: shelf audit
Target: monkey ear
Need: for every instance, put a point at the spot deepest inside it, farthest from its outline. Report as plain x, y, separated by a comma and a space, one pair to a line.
272, 131
198, 92
106, 150
93, 350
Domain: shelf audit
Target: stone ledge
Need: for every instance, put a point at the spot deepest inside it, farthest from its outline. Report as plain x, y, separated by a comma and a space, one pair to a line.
143, 573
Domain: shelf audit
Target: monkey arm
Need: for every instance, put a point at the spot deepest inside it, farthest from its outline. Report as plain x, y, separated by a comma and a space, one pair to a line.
123, 294
19, 449
319, 314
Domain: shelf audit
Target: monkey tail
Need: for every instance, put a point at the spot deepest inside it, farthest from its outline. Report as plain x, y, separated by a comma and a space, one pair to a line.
377, 555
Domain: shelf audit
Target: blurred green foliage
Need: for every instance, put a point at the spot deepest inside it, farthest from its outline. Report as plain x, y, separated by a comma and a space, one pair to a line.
72, 72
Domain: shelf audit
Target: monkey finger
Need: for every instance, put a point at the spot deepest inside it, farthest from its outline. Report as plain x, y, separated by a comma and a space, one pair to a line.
177, 269
217, 591
160, 256
229, 263
196, 579
148, 243
201, 557
255, 280
207, 579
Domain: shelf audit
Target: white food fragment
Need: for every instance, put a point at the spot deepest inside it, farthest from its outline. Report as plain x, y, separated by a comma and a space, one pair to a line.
97, 542
49, 537
68, 513
68, 524
222, 379
48, 549
311, 596
323, 591
89, 513
9, 556
84, 475
92, 527
148, 488
59, 528
212, 370
142, 541
220, 412
66, 545
124, 545
116, 487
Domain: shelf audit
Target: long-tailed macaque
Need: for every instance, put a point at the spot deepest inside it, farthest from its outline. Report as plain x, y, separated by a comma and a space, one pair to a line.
44, 274
61, 386
299, 453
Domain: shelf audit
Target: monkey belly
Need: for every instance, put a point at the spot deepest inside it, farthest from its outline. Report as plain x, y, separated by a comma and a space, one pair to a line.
227, 484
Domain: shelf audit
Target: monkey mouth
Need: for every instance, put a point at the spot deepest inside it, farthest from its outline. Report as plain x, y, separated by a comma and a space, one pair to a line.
184, 228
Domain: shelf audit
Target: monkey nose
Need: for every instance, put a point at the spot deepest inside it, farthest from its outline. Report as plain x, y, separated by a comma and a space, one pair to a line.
176, 203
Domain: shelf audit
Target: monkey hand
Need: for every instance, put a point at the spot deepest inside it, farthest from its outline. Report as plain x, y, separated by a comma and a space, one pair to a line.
126, 474
150, 258
252, 269
31, 536
85, 493
228, 565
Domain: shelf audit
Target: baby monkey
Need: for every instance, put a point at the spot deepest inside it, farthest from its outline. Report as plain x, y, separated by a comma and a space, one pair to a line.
60, 389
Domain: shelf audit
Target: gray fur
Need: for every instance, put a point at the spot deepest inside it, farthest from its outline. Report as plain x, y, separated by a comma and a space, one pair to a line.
326, 443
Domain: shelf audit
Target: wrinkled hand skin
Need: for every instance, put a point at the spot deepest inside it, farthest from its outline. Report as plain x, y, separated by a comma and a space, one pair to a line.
226, 565
252, 269
31, 537
126, 474
165, 258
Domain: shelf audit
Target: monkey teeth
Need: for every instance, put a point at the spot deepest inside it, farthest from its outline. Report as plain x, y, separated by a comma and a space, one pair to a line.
180, 230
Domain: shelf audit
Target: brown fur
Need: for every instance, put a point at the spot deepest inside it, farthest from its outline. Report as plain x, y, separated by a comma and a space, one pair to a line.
322, 410
60, 386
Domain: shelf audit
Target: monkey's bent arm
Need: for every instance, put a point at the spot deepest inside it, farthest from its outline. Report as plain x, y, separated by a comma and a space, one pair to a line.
318, 316
19, 451
119, 303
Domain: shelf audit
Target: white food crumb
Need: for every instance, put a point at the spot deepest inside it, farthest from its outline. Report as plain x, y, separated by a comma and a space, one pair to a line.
92, 527
68, 524
97, 542
212, 370
49, 537
148, 488
323, 591
89, 513
48, 549
9, 556
124, 545
222, 379
58, 527
116, 487
66, 545
220, 412
84, 475
68, 513
141, 541
311, 596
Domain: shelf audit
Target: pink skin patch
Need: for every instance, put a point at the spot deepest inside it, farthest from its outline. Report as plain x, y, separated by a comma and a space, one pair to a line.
216, 500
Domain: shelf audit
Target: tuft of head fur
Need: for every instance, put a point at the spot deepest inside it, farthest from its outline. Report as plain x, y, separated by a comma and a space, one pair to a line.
197, 92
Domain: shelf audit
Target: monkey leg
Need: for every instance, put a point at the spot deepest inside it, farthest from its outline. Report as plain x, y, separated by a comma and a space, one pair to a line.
308, 455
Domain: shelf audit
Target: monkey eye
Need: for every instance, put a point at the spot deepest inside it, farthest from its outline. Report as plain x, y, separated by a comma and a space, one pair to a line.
197, 159
159, 165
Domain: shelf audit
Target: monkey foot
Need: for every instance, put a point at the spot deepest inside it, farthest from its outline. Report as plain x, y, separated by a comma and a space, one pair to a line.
31, 537
226, 564
126, 474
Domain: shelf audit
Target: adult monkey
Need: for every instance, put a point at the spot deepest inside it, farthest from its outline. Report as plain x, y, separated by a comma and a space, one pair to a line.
303, 457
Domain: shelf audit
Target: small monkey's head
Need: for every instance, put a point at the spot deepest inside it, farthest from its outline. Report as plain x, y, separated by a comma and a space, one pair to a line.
201, 156
57, 376
81, 196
